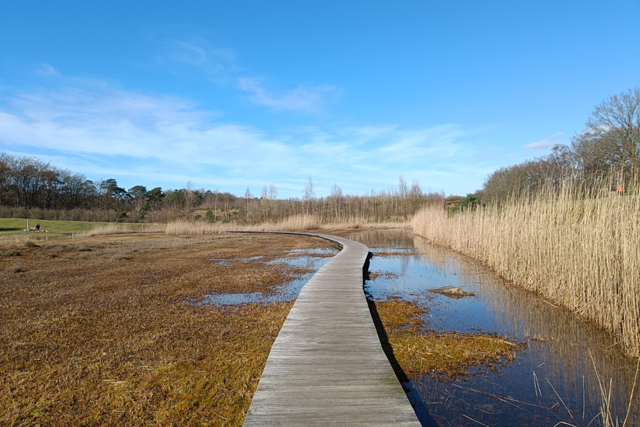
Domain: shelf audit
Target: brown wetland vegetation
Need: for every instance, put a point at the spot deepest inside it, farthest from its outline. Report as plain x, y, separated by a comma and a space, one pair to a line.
445, 354
577, 247
106, 330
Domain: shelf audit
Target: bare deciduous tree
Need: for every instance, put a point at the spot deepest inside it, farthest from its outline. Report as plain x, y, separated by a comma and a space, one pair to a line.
616, 125
309, 195
248, 196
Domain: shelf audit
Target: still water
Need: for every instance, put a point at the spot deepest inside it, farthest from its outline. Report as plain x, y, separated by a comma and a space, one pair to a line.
554, 381
308, 260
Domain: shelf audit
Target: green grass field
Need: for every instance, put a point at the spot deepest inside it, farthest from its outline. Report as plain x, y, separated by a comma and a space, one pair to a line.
13, 226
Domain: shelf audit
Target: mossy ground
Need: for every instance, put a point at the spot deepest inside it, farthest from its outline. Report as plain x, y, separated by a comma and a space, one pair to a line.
104, 331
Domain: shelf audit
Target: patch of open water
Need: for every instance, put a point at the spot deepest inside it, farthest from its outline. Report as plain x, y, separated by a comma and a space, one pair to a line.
553, 381
308, 259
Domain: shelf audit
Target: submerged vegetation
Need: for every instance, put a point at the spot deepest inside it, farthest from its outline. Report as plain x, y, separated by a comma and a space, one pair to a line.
104, 330
420, 351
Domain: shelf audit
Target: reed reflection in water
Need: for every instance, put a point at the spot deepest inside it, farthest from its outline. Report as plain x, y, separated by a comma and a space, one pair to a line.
557, 370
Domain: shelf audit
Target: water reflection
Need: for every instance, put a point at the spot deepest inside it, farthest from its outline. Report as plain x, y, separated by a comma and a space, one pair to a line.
553, 381
308, 259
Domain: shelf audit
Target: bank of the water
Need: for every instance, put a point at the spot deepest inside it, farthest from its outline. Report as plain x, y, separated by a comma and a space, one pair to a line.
553, 380
581, 253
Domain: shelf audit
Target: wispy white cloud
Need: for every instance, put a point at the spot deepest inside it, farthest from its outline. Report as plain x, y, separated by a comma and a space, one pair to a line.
220, 65
100, 129
546, 142
304, 98
179, 55
47, 70
540, 145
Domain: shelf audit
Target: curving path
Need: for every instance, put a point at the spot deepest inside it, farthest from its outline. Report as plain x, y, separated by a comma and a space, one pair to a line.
327, 366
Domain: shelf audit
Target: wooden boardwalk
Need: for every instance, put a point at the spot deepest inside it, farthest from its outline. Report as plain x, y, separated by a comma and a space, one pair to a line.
327, 366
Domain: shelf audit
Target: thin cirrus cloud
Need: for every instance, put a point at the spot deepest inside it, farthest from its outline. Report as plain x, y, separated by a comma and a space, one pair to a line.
217, 64
220, 66
47, 70
544, 143
99, 127
540, 145
304, 98
103, 122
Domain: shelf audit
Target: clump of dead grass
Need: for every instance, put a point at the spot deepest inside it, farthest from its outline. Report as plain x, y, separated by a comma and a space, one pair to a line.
117, 228
10, 252
420, 352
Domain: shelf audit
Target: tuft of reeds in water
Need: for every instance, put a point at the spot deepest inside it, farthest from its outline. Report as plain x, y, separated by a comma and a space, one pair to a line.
577, 246
606, 406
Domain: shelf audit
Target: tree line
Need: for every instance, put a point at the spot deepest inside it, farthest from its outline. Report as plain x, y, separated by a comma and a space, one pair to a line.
609, 145
30, 187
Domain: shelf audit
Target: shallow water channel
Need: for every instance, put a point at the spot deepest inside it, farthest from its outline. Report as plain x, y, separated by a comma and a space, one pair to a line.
309, 260
554, 381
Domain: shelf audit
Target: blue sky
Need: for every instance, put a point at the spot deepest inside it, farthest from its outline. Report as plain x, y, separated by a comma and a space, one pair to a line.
237, 94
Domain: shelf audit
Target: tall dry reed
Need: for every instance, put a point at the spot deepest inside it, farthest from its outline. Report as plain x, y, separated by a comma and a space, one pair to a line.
292, 223
575, 247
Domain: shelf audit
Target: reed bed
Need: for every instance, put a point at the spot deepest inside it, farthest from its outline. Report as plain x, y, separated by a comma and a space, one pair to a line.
292, 223
573, 246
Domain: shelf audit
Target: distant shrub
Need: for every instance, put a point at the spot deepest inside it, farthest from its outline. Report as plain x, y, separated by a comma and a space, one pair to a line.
14, 269
11, 252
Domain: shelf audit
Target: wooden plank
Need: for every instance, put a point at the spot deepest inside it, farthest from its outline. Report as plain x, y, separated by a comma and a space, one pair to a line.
327, 366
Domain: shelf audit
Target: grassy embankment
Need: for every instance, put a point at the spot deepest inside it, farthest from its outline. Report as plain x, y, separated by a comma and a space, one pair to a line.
580, 252
16, 227
101, 331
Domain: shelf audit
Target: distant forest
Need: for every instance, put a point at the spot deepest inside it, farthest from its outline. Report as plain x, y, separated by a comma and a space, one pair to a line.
609, 145
30, 187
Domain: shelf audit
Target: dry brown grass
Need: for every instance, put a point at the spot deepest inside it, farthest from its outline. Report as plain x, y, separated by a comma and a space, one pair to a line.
118, 228
420, 352
583, 253
293, 223
100, 331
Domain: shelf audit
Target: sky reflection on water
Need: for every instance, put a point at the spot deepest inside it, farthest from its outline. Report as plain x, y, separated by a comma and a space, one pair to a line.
309, 259
552, 381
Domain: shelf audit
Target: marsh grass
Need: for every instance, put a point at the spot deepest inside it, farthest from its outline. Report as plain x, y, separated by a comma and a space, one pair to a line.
118, 228
292, 223
89, 338
447, 355
576, 247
